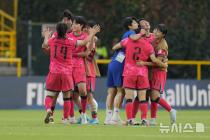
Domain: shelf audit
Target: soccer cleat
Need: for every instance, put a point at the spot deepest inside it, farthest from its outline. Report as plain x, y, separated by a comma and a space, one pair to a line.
72, 120
153, 122
65, 121
51, 120
128, 122
94, 121
173, 116
144, 123
79, 120
47, 118
84, 118
107, 122
108, 117
116, 120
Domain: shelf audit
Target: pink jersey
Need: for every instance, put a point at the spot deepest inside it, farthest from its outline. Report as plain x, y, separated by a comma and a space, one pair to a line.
61, 55
150, 38
136, 50
78, 61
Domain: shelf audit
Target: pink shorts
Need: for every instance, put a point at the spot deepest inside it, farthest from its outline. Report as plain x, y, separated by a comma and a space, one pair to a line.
59, 82
79, 75
158, 80
136, 82
90, 83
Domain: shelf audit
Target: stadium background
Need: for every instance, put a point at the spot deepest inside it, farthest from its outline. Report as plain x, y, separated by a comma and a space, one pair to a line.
188, 37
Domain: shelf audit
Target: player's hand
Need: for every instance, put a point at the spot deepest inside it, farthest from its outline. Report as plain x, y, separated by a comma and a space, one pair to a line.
143, 32
46, 33
165, 65
95, 29
140, 63
165, 60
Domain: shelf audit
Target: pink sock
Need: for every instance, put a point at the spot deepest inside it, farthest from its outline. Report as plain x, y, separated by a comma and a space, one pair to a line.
164, 104
48, 102
83, 103
144, 109
128, 109
153, 109
72, 108
135, 107
66, 108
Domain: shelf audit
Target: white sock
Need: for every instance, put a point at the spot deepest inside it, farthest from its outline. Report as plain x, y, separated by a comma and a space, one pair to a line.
96, 105
117, 110
108, 115
116, 114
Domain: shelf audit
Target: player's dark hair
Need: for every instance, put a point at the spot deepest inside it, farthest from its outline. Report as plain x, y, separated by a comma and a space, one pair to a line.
91, 23
128, 22
137, 30
61, 29
162, 27
80, 20
140, 19
68, 14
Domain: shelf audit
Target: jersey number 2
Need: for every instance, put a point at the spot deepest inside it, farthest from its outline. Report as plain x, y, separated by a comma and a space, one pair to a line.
136, 53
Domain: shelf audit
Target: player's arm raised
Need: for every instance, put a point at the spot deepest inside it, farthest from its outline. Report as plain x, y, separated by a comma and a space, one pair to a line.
89, 46
136, 37
90, 37
45, 46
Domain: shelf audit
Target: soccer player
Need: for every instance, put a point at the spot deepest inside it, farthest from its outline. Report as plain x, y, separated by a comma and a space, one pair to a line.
91, 77
60, 74
159, 74
79, 71
67, 18
135, 77
145, 25
92, 71
114, 77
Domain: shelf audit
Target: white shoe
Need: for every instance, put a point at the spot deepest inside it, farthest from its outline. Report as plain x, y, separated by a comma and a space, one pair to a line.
108, 117
144, 122
173, 116
84, 118
72, 120
107, 122
65, 121
116, 120
153, 122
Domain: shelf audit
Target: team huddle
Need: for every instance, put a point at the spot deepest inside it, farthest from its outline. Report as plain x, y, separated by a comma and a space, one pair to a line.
137, 71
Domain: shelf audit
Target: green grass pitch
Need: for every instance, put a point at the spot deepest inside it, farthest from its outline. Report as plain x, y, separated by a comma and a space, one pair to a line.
29, 125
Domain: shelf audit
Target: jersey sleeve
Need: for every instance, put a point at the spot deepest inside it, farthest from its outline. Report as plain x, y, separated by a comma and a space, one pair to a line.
150, 49
124, 42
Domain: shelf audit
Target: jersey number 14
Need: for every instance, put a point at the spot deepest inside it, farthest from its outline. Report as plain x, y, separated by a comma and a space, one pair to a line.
63, 51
